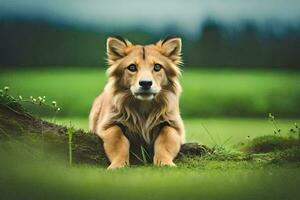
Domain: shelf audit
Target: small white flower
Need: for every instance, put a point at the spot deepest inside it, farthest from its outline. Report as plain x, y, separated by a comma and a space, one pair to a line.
54, 103
6, 88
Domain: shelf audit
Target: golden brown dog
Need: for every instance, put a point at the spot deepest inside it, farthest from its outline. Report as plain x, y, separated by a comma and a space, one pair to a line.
142, 93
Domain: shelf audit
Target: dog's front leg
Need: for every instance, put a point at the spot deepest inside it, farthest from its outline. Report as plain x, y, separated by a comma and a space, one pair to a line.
166, 146
116, 147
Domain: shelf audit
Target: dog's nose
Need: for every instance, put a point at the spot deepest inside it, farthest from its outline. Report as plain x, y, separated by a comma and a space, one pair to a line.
145, 84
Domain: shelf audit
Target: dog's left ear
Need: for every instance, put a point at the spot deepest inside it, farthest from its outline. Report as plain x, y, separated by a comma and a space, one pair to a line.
171, 48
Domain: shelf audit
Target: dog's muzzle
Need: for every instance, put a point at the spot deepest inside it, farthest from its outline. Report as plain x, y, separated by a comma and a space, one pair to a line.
142, 94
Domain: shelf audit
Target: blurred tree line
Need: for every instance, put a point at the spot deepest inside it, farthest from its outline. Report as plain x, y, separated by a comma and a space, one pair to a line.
42, 44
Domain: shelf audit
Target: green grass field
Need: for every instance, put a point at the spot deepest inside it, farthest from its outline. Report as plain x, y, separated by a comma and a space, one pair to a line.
218, 108
214, 131
206, 93
29, 171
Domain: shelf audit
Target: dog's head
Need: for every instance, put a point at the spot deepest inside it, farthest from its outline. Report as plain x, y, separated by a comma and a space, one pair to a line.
144, 70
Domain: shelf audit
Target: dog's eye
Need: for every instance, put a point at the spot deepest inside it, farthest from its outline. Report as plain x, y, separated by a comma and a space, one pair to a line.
157, 67
132, 68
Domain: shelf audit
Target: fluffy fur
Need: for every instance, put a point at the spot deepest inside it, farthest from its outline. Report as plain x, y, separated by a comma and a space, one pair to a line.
155, 117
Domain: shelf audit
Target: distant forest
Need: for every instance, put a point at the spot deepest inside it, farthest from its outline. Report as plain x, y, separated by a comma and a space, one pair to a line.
36, 44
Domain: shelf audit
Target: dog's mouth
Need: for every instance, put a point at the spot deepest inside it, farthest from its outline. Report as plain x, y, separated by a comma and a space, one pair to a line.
144, 96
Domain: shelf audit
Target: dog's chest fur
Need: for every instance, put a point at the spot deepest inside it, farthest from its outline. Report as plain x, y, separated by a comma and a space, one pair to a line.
142, 120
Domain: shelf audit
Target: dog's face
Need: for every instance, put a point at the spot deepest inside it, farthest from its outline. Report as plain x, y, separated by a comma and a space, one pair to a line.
145, 70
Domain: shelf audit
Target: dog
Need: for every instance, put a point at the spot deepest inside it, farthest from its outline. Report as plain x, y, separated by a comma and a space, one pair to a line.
140, 98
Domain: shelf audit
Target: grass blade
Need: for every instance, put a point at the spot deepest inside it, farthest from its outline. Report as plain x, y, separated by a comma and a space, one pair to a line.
144, 155
137, 157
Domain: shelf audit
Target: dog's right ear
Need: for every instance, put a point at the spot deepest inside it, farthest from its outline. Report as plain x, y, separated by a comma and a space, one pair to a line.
116, 48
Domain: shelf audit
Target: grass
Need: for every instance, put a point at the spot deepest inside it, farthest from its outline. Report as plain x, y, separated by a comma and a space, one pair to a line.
70, 132
30, 171
270, 143
213, 93
232, 130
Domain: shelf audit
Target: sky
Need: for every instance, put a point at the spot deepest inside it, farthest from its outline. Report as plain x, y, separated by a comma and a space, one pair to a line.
152, 15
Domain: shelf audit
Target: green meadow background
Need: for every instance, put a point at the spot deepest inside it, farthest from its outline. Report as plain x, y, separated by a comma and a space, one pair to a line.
206, 93
241, 62
221, 108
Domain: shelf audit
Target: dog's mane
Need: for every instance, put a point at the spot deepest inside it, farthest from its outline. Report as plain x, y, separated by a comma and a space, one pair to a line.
142, 117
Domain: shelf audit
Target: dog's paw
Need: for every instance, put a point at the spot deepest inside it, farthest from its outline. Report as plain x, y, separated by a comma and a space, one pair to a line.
164, 162
117, 165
